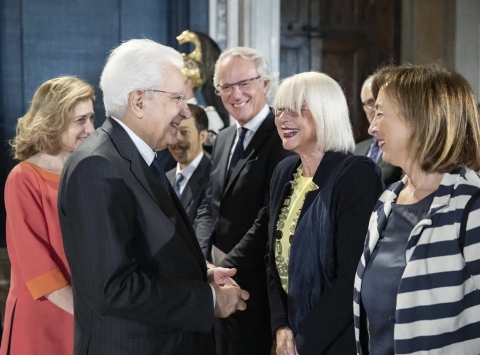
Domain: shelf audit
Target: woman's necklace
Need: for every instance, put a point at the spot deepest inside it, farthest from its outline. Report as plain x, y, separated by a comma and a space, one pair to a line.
284, 214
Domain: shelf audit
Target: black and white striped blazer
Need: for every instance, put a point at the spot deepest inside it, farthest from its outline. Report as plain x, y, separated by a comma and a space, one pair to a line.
438, 300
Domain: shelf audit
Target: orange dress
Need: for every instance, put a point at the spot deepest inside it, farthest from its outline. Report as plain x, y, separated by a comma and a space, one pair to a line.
33, 324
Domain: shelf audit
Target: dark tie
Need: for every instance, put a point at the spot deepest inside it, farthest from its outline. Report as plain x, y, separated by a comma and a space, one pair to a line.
160, 174
373, 154
178, 181
237, 152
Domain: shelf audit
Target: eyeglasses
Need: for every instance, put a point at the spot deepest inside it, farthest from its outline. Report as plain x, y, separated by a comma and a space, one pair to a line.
243, 85
369, 103
175, 96
294, 114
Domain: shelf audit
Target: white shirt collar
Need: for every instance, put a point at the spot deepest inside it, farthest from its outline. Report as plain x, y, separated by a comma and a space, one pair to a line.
188, 171
256, 121
145, 151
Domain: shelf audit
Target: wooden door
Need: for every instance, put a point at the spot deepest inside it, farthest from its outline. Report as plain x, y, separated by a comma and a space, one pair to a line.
346, 39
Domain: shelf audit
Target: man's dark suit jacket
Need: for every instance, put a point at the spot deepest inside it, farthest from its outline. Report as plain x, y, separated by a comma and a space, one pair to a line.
390, 173
138, 274
227, 215
194, 192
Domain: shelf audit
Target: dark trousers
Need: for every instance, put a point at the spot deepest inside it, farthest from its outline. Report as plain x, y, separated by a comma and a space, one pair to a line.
246, 332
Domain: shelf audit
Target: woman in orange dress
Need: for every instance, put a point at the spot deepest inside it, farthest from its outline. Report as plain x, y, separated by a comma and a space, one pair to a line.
39, 309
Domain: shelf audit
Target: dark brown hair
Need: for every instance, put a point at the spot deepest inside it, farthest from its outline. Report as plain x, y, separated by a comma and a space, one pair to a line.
41, 128
200, 117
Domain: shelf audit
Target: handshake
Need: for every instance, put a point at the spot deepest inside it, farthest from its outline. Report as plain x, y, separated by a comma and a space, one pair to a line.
229, 296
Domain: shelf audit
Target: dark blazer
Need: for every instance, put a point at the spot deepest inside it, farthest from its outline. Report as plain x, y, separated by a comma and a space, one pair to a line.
138, 274
230, 208
234, 217
327, 328
390, 173
194, 191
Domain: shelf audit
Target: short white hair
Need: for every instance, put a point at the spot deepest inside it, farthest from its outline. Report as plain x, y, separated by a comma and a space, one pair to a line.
367, 84
137, 64
251, 55
326, 101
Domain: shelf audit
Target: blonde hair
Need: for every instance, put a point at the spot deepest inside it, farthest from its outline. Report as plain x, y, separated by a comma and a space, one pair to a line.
326, 101
40, 129
441, 109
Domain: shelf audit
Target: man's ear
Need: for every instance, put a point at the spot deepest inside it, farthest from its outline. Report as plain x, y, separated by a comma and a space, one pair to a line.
136, 102
265, 87
203, 136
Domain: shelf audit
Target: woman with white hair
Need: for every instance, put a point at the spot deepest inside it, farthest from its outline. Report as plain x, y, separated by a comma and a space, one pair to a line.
319, 209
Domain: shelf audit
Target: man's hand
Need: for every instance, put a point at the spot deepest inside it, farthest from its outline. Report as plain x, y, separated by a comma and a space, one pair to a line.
285, 342
229, 299
221, 276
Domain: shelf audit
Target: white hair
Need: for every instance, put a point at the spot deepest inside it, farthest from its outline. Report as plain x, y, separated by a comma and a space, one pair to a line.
367, 84
253, 55
326, 101
137, 64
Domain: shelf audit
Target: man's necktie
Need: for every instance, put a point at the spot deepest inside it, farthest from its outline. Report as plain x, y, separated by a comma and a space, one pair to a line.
237, 152
178, 182
373, 154
160, 174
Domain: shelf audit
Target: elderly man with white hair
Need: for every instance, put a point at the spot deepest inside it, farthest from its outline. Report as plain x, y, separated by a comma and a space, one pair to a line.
232, 222
140, 281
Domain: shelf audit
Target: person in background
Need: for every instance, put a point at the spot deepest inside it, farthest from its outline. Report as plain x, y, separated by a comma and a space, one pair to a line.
418, 281
39, 308
369, 147
192, 174
319, 209
232, 221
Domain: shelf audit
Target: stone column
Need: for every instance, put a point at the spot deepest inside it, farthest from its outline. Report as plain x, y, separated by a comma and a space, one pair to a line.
249, 23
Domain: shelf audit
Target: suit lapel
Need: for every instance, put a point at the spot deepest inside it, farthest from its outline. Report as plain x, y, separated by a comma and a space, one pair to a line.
187, 194
169, 205
223, 149
260, 136
194, 183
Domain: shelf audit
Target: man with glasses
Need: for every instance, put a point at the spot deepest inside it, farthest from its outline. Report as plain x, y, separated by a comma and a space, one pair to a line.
140, 281
232, 222
369, 147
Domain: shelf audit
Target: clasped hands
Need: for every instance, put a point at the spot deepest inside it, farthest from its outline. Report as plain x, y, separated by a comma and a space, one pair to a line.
229, 296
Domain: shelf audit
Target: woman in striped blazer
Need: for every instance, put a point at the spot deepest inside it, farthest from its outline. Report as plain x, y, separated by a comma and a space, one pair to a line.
417, 287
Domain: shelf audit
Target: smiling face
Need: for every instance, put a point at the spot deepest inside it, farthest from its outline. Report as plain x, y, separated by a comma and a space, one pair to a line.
242, 103
297, 131
189, 142
392, 131
162, 112
80, 127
